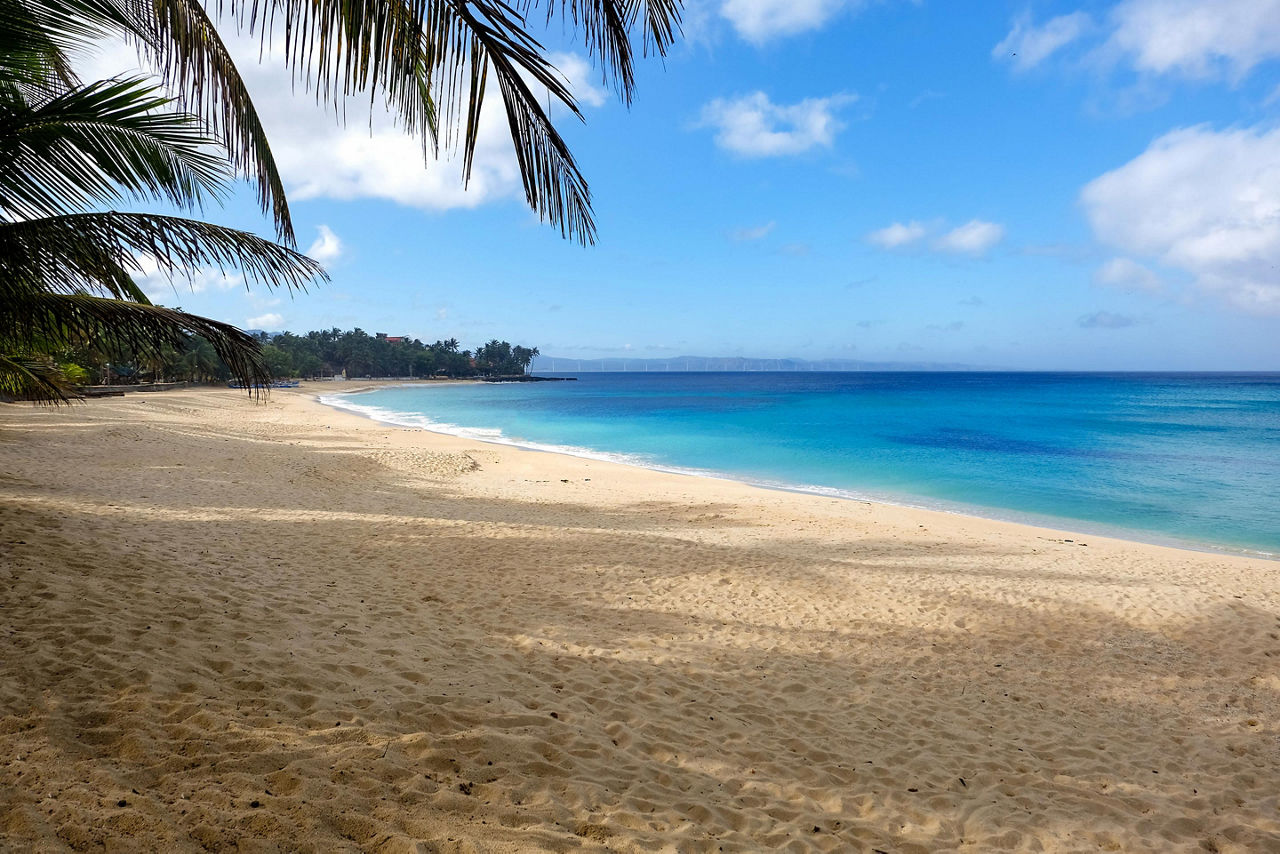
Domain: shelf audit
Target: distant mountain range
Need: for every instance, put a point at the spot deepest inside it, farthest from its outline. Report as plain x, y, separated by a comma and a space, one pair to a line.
561, 364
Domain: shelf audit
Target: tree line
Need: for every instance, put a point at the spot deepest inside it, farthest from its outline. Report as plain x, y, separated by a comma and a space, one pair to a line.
356, 353
323, 353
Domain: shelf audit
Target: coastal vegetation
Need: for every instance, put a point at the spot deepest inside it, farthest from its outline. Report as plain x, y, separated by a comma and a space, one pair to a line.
322, 353
356, 353
67, 268
72, 148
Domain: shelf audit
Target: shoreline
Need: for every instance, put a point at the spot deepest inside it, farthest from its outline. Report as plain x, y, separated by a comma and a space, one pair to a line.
1057, 524
280, 626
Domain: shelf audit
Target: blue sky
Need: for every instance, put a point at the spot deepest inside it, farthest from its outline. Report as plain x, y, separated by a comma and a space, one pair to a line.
1044, 185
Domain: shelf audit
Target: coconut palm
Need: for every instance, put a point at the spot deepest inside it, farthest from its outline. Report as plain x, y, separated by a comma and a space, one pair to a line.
66, 269
430, 61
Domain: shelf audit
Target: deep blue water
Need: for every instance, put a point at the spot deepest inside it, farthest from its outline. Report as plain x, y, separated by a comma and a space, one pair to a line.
1185, 458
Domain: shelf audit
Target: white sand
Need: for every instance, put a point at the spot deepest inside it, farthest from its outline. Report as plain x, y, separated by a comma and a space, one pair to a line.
231, 626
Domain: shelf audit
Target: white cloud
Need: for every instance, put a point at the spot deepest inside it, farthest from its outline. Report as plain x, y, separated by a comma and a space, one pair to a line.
327, 246
160, 288
1128, 275
366, 154
1188, 38
1195, 38
1203, 201
898, 234
974, 237
371, 157
760, 20
753, 126
759, 232
578, 73
1106, 320
265, 321
1027, 45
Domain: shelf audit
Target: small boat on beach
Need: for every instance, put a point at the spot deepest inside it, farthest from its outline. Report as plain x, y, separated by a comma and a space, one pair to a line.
276, 384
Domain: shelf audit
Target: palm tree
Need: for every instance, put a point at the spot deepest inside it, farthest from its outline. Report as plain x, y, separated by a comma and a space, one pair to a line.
199, 361
430, 60
66, 270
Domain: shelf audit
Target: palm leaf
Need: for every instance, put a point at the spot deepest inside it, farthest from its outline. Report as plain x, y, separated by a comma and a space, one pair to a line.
660, 20
553, 184
429, 59
94, 143
39, 320
605, 27
33, 377
98, 253
181, 42
31, 58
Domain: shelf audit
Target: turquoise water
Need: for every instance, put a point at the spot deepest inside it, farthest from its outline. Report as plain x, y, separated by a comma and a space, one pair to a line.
1191, 459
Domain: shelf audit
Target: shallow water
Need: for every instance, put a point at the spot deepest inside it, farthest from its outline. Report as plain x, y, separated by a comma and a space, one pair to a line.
1190, 459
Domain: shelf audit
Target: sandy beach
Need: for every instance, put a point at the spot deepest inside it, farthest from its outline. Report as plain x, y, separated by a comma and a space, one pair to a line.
239, 626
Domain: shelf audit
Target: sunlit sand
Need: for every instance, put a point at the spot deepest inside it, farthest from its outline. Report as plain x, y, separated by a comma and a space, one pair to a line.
281, 627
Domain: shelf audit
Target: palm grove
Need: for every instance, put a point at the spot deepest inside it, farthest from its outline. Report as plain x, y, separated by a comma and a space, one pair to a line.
70, 151
356, 353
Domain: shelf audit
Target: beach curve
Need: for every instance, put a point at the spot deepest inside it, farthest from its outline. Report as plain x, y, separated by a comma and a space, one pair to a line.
287, 627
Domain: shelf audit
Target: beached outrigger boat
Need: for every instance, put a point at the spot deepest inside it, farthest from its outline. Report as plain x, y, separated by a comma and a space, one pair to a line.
276, 384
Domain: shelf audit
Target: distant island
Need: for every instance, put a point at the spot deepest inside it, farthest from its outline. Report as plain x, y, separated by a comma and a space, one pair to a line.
561, 364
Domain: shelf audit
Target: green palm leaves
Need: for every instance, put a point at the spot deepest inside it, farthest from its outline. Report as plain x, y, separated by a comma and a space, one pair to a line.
100, 143
429, 61
66, 270
68, 149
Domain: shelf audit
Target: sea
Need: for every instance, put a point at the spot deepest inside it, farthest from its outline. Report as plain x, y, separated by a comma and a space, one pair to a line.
1191, 460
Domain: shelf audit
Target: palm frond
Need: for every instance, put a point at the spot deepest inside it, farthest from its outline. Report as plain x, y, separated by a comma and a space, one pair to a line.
181, 42
660, 23
38, 320
94, 143
99, 252
31, 57
429, 60
35, 378
605, 26
553, 184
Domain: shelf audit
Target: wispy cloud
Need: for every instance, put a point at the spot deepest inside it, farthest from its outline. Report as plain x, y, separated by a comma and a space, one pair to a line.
753, 126
926, 95
973, 238
1127, 274
1029, 44
1106, 320
1184, 38
897, 235
758, 232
